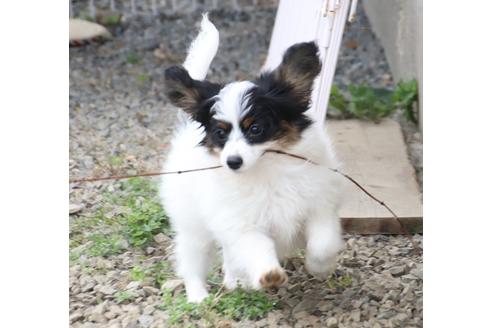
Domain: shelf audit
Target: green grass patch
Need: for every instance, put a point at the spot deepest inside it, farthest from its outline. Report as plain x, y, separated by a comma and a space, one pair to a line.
116, 161
159, 273
74, 257
105, 245
146, 218
111, 20
137, 274
139, 219
143, 78
238, 305
132, 58
339, 282
373, 104
241, 304
124, 296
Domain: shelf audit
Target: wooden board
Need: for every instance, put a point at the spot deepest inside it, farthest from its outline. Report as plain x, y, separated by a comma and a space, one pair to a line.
375, 155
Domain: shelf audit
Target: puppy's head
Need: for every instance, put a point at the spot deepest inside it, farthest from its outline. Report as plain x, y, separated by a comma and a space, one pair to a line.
243, 119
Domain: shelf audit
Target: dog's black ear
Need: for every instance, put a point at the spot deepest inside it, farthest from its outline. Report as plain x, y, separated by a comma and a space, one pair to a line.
187, 93
300, 66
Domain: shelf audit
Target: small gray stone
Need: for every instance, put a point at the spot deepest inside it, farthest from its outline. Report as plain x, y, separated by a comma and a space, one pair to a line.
149, 290
398, 271
149, 309
377, 294
308, 303
75, 316
418, 271
145, 320
332, 322
74, 208
86, 283
122, 244
107, 290
161, 238
172, 284
355, 315
100, 308
115, 325
133, 285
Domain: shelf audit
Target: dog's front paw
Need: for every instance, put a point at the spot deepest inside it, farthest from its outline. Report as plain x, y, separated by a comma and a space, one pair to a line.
321, 269
273, 278
196, 296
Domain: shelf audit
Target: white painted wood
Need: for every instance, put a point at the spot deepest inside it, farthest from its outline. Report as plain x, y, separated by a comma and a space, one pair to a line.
320, 20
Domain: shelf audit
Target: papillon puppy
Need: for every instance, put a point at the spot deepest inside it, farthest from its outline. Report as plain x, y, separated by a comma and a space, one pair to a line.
259, 207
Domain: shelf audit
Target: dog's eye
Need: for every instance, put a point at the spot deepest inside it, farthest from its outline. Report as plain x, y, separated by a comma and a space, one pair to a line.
220, 134
255, 130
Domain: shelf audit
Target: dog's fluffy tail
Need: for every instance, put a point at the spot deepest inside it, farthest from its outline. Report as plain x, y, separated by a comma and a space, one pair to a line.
202, 50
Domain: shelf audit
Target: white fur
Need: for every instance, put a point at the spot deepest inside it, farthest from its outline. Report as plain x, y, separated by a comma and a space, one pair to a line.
258, 214
202, 50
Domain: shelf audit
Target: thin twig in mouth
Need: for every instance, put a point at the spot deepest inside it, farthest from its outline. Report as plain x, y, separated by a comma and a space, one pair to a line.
416, 248
151, 174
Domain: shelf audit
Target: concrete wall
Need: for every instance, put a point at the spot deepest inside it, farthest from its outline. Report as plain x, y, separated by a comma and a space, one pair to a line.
398, 25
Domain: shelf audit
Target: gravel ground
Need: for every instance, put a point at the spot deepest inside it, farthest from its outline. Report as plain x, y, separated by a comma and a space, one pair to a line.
121, 123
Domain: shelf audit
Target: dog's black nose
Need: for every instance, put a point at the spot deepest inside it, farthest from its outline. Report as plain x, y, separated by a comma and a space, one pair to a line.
234, 162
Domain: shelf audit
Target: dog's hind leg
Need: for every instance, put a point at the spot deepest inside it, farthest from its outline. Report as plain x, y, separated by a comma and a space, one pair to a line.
193, 255
324, 241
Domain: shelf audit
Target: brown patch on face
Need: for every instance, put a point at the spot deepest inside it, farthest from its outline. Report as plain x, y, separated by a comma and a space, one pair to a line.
224, 125
289, 135
212, 141
246, 123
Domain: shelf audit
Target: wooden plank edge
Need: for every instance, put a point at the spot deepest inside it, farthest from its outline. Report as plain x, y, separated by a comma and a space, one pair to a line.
388, 226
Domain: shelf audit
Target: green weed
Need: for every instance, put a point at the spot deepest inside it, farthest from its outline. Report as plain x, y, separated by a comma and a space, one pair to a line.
105, 245
179, 309
132, 58
123, 296
116, 160
404, 97
142, 78
139, 218
364, 102
74, 257
111, 20
160, 272
146, 217
245, 305
339, 282
137, 274
238, 304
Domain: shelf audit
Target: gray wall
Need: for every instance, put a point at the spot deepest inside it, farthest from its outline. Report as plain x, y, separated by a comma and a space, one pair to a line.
398, 25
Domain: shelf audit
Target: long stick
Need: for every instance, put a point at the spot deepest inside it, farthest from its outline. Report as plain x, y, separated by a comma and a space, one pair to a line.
416, 248
151, 174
